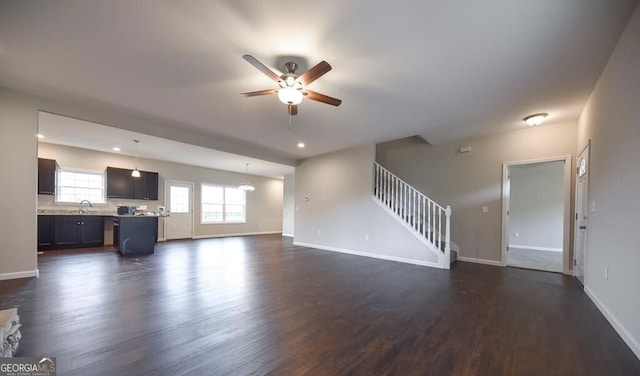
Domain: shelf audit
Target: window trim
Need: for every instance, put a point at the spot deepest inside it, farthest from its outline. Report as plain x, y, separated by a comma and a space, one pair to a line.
224, 205
82, 171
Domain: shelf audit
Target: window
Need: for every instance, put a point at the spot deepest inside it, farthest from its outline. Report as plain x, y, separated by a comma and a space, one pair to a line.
222, 204
179, 199
75, 186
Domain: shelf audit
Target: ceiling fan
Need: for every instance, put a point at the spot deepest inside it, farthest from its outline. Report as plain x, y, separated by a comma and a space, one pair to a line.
293, 87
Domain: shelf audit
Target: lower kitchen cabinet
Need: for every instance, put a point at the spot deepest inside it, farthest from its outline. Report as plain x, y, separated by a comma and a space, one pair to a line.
46, 236
70, 231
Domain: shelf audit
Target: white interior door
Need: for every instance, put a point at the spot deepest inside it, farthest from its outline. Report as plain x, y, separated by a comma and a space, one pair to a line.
179, 203
582, 184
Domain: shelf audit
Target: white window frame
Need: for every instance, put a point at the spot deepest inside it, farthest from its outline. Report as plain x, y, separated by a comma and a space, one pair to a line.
75, 170
224, 205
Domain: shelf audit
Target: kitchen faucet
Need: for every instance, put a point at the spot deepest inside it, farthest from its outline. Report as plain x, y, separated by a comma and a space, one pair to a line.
80, 208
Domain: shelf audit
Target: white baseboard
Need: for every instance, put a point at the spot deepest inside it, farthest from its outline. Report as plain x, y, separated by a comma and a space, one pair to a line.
239, 234
633, 343
162, 239
480, 261
519, 246
16, 275
289, 235
372, 255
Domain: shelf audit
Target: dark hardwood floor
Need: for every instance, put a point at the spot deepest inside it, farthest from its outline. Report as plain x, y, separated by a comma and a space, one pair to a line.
261, 306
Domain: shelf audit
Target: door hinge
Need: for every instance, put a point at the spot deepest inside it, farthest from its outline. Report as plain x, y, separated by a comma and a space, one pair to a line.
576, 216
508, 212
574, 262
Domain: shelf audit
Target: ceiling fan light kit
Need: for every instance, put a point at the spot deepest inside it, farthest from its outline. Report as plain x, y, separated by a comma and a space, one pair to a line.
290, 95
292, 87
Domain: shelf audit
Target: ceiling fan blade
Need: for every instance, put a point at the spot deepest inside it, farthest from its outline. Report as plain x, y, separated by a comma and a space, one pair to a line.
261, 67
314, 73
322, 98
260, 92
293, 109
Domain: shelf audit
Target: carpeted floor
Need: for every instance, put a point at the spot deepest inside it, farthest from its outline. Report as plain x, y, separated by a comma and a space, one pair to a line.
535, 259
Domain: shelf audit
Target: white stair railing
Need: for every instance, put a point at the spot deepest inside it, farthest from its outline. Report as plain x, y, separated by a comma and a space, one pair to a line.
424, 216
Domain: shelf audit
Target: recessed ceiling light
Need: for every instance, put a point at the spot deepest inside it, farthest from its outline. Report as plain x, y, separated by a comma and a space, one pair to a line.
535, 119
41, 136
115, 148
300, 145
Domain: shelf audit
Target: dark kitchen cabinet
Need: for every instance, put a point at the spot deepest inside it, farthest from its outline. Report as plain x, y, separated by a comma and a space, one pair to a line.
135, 235
146, 186
92, 231
46, 239
120, 184
74, 231
46, 176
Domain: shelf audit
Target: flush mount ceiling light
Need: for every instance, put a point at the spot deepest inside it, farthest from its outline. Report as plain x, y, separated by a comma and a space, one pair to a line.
40, 136
115, 148
135, 173
292, 88
247, 186
535, 119
300, 145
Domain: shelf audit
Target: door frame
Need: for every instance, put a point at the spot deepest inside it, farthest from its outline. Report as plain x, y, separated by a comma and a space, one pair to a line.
192, 203
567, 216
586, 148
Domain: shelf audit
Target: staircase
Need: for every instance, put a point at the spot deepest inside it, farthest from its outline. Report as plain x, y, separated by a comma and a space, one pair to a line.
425, 219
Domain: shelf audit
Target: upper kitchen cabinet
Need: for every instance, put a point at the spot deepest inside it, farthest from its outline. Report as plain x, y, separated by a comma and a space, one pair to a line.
120, 184
46, 176
146, 186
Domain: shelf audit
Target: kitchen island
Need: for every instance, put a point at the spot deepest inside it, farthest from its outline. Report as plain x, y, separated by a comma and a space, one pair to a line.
135, 234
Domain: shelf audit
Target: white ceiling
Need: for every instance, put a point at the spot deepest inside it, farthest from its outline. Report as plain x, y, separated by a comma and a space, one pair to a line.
63, 130
446, 70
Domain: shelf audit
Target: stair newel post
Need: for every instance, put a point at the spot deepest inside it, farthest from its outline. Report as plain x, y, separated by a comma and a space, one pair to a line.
447, 238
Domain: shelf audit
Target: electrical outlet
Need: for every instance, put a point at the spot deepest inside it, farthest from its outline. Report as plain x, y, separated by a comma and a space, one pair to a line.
485, 209
319, 232
516, 235
366, 236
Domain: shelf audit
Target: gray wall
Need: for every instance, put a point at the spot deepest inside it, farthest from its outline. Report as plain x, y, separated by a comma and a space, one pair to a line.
536, 205
288, 205
19, 168
340, 213
264, 205
469, 181
610, 120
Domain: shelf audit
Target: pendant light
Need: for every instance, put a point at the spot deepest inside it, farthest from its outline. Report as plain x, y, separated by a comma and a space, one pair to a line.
135, 173
247, 186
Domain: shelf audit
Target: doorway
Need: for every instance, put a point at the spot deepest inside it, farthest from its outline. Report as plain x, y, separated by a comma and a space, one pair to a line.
536, 214
582, 184
179, 202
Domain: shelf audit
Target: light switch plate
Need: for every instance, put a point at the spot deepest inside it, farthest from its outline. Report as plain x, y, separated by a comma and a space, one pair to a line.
485, 209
